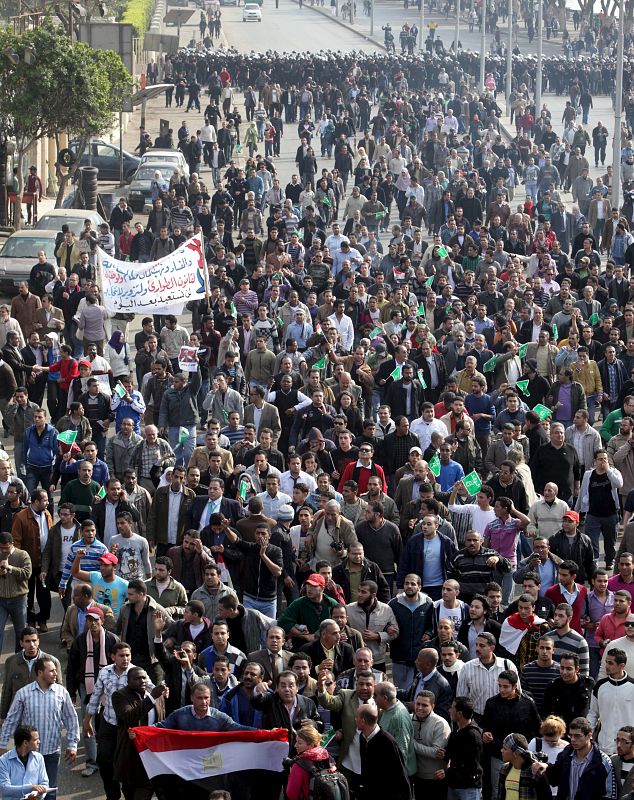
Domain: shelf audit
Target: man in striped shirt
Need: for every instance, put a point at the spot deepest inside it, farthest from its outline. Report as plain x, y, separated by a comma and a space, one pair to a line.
89, 561
569, 641
47, 706
478, 678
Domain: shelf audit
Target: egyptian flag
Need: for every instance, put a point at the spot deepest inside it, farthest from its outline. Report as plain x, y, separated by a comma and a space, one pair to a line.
198, 756
514, 630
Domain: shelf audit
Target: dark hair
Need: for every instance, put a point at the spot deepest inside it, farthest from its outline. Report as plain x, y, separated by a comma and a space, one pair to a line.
23, 733
197, 606
166, 561
137, 585
464, 705
300, 657
28, 631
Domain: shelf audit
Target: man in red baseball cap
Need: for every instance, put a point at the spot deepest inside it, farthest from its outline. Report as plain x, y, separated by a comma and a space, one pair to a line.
109, 589
302, 617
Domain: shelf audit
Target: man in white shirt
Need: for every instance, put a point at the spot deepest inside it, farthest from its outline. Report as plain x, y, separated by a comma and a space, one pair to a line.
343, 325
272, 499
427, 424
294, 474
335, 240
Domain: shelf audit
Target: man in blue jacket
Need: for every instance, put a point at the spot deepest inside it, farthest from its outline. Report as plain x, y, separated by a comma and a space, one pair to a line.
428, 554
40, 451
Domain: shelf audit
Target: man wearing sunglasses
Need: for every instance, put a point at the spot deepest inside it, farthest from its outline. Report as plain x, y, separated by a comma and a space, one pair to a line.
625, 643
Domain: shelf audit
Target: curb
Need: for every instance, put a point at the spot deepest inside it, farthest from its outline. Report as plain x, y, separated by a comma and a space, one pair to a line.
343, 24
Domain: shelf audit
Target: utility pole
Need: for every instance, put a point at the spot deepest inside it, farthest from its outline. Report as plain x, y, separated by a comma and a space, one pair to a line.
540, 53
618, 110
371, 17
483, 43
422, 24
509, 59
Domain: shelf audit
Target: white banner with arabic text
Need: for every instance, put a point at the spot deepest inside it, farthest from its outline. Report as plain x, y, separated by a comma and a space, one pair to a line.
157, 287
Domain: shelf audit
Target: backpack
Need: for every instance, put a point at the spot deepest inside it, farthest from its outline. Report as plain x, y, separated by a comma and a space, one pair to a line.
325, 783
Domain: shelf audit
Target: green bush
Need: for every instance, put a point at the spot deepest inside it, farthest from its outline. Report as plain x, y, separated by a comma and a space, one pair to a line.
138, 13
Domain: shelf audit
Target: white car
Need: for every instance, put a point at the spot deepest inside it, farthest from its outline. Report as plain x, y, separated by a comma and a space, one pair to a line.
170, 158
252, 13
19, 254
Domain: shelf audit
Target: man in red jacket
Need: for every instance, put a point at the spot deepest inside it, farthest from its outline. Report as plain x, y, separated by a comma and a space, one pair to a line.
569, 591
361, 470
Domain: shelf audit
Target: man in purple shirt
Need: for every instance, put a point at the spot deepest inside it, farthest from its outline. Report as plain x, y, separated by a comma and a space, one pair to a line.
624, 579
502, 535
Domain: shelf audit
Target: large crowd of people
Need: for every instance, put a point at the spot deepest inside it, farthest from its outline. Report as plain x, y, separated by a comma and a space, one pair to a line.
384, 510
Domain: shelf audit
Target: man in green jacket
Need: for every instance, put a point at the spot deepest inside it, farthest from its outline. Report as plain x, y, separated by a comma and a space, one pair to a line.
302, 617
611, 424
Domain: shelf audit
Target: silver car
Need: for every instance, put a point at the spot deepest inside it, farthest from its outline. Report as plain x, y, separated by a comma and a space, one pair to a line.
19, 255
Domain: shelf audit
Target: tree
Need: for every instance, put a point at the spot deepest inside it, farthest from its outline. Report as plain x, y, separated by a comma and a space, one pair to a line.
69, 88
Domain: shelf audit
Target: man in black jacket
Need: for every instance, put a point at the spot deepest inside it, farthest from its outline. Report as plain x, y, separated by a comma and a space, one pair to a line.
114, 497
569, 695
356, 562
179, 669
383, 770
464, 751
328, 651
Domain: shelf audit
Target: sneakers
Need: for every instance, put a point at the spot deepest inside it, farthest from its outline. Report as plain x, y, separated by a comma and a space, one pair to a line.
89, 770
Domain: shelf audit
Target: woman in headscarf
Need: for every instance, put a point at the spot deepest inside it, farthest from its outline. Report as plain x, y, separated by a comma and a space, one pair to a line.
159, 186
117, 353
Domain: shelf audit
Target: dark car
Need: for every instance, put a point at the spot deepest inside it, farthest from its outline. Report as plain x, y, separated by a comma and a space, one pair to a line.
105, 157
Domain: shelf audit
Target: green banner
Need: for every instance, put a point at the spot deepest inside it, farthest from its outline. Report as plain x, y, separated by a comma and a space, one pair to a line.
522, 386
489, 366
523, 350
67, 437
472, 482
542, 412
434, 464
376, 332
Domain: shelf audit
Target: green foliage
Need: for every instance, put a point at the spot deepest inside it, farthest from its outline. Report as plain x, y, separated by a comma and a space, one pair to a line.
139, 14
70, 88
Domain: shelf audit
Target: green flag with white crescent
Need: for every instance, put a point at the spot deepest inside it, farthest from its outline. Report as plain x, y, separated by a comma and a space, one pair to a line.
102, 492
421, 310
242, 489
321, 364
594, 319
67, 437
396, 373
183, 433
442, 251
430, 281
326, 202
434, 464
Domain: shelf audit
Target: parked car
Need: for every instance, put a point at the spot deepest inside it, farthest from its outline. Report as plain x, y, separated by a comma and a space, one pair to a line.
73, 217
140, 191
19, 254
170, 158
105, 157
251, 13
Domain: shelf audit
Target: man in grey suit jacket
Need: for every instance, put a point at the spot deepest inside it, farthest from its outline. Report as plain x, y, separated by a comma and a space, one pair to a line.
262, 415
222, 399
274, 651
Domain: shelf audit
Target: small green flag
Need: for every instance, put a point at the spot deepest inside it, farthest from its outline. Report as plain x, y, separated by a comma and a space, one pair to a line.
327, 737
522, 386
326, 202
280, 321
421, 378
243, 489
232, 308
102, 492
442, 251
120, 390
321, 364
430, 281
421, 310
594, 319
376, 332
183, 435
434, 464
555, 333
542, 412
67, 437
472, 482
489, 366
379, 214
396, 373
523, 350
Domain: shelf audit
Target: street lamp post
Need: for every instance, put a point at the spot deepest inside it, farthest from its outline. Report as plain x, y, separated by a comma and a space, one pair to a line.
618, 109
483, 44
457, 39
371, 17
540, 53
422, 24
